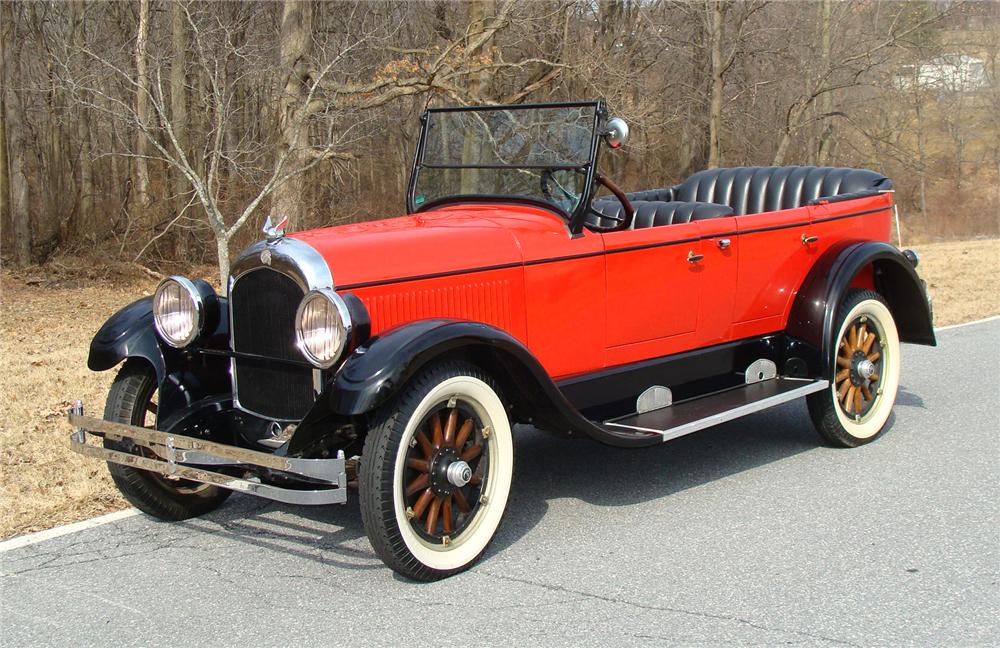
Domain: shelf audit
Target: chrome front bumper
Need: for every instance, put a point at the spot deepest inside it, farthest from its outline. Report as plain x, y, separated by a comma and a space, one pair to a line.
185, 457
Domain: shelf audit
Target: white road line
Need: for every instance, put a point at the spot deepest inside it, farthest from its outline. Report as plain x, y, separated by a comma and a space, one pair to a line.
41, 536
973, 323
48, 534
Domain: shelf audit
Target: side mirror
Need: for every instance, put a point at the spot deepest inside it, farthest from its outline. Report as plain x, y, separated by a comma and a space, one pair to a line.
616, 132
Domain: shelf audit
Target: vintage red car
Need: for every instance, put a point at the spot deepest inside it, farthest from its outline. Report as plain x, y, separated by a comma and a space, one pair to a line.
398, 354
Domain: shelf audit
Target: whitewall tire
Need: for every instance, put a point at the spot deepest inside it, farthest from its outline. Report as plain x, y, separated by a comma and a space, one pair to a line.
436, 472
864, 379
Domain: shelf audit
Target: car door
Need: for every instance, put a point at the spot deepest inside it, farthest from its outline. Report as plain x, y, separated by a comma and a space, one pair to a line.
653, 278
721, 248
775, 252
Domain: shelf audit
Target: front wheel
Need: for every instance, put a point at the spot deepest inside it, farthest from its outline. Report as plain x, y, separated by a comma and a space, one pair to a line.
436, 472
865, 375
133, 400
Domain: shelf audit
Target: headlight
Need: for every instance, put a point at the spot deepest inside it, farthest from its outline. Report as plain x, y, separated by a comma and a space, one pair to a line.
178, 311
322, 326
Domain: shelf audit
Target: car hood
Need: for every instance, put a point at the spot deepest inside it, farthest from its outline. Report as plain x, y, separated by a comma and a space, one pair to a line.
427, 244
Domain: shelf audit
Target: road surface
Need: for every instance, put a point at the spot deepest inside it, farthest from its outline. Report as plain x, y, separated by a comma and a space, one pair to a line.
748, 533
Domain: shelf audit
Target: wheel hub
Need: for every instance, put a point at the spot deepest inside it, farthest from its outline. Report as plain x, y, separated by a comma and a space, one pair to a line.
441, 482
459, 473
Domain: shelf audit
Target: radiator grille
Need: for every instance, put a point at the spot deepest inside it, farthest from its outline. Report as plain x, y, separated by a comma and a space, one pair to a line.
263, 304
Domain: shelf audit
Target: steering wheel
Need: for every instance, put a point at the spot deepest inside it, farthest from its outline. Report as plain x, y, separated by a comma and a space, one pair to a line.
623, 223
551, 186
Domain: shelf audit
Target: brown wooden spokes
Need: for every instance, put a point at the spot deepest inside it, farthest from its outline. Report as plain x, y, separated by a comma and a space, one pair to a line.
435, 505
858, 367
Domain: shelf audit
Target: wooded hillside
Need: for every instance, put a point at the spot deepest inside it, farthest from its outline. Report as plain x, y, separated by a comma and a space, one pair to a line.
159, 130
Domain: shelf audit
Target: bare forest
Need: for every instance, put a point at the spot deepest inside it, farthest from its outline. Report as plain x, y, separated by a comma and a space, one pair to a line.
159, 131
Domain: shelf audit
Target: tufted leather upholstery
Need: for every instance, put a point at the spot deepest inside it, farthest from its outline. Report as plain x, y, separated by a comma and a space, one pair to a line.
651, 213
751, 190
745, 190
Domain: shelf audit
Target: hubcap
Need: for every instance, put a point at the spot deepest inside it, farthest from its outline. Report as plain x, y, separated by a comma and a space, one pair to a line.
446, 467
859, 365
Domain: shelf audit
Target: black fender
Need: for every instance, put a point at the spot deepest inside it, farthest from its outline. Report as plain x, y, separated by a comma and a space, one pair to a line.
184, 376
129, 333
814, 310
375, 372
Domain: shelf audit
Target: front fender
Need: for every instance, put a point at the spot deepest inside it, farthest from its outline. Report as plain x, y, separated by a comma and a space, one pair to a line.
376, 371
183, 376
814, 312
129, 333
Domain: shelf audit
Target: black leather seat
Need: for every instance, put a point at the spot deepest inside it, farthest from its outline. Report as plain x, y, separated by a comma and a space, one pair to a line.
653, 213
751, 190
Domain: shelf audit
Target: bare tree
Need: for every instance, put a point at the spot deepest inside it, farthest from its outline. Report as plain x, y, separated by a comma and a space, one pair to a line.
15, 136
142, 104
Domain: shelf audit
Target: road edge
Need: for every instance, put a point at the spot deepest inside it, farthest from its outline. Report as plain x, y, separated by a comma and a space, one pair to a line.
40, 536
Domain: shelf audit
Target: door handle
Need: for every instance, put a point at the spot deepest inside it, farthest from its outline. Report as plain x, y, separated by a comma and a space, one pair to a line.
723, 243
806, 240
695, 258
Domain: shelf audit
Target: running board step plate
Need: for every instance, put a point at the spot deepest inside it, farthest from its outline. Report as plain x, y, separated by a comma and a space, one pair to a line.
700, 413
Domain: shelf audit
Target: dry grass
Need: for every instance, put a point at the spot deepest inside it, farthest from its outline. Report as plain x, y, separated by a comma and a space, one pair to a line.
48, 315
963, 278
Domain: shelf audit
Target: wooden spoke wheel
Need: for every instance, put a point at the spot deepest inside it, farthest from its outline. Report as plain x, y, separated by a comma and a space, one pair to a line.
859, 366
865, 374
436, 472
447, 460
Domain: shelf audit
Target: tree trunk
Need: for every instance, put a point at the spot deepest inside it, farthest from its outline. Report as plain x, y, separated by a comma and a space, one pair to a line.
296, 45
921, 159
84, 163
222, 254
142, 105
178, 117
470, 177
826, 101
15, 135
718, 80
6, 225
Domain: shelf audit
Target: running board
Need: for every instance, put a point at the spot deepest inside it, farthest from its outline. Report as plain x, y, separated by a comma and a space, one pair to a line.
699, 413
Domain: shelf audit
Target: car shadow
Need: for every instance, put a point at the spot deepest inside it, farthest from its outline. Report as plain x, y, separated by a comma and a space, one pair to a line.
547, 468
909, 399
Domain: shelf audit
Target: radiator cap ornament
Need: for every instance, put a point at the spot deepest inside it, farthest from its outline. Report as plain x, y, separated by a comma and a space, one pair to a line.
273, 231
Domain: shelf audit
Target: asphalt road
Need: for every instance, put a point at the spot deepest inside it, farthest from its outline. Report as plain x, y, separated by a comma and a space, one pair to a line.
749, 533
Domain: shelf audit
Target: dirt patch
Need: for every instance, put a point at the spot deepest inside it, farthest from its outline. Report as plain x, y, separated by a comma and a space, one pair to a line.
48, 316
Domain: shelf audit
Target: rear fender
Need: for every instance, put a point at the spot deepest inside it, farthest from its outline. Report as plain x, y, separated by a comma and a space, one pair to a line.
814, 311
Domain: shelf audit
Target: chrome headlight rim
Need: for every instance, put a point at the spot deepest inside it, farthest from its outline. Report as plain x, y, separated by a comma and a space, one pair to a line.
191, 290
344, 315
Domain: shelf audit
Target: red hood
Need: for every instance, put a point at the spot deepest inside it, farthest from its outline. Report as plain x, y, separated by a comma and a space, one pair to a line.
440, 241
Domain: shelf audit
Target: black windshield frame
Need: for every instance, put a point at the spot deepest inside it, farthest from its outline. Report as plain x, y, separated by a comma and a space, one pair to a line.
574, 220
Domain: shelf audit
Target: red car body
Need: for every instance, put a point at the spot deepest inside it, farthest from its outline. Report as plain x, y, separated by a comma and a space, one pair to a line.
602, 299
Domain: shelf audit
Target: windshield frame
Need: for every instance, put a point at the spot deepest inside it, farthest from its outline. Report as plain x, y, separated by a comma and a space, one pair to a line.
574, 220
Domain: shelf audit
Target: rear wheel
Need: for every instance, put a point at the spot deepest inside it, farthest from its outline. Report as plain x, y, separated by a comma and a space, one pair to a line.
436, 472
865, 376
133, 400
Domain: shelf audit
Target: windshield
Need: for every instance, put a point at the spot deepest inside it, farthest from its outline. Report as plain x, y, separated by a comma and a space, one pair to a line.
540, 153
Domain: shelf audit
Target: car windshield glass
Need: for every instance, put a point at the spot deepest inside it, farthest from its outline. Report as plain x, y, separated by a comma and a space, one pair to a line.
540, 153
